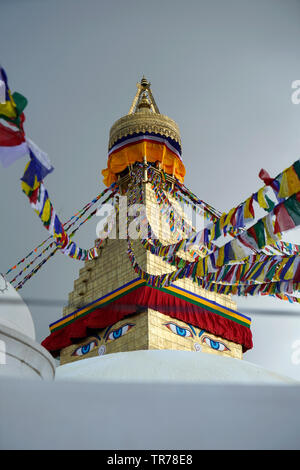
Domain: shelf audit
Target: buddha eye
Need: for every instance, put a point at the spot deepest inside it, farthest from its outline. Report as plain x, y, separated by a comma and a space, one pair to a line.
85, 349
115, 334
178, 330
216, 345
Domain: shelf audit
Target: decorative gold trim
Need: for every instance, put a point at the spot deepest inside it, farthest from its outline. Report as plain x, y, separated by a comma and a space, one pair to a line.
143, 122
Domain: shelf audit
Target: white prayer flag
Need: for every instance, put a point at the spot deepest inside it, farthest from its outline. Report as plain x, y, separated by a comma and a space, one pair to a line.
2, 92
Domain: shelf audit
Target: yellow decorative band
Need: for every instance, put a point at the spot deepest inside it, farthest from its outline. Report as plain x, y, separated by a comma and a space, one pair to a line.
209, 305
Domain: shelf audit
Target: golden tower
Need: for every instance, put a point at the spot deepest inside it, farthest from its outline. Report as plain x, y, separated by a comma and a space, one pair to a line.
115, 308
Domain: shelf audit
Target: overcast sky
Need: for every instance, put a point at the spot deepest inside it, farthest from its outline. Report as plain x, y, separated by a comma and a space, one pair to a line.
221, 69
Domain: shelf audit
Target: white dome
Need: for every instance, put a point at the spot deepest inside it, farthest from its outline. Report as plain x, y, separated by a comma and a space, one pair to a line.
14, 313
165, 366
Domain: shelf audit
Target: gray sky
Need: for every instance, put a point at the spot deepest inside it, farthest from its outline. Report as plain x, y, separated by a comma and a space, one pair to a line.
221, 70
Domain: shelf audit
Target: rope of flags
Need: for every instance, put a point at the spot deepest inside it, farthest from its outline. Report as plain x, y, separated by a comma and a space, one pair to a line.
259, 268
255, 261
242, 279
75, 217
241, 267
32, 262
285, 185
14, 145
98, 244
180, 191
286, 248
36, 269
40, 202
182, 194
288, 185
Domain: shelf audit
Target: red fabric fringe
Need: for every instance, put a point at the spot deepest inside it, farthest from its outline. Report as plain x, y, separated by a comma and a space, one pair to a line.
137, 301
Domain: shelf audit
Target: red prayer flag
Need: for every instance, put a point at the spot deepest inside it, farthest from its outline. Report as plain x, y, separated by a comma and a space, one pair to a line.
9, 137
283, 220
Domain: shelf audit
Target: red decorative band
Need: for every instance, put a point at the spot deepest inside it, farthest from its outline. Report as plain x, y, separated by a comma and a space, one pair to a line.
138, 300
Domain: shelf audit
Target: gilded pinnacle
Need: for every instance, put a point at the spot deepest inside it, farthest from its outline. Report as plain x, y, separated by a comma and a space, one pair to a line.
143, 116
144, 82
144, 103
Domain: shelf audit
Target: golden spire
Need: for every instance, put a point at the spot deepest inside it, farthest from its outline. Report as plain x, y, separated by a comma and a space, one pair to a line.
144, 103
143, 94
143, 117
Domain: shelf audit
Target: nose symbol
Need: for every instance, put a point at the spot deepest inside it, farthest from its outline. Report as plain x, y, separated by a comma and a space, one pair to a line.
102, 350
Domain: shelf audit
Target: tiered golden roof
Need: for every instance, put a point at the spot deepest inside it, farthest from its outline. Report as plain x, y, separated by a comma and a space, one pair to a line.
143, 116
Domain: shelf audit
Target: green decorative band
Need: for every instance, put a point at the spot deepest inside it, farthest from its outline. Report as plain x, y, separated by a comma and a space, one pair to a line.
174, 290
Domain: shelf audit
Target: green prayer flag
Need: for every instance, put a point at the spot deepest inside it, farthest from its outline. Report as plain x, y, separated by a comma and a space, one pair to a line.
21, 102
296, 167
293, 207
270, 204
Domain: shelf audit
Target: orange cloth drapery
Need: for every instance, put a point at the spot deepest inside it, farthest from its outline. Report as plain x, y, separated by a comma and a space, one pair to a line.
135, 152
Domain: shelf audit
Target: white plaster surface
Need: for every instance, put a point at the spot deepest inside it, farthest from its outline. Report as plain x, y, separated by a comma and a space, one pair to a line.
36, 414
163, 366
14, 313
21, 356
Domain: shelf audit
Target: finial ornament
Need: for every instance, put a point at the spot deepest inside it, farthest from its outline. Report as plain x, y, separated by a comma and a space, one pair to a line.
143, 93
144, 82
144, 102
144, 117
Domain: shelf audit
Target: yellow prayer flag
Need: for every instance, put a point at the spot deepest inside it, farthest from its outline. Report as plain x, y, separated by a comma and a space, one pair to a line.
278, 271
220, 259
261, 276
212, 232
261, 198
293, 181
200, 272
222, 220
46, 211
8, 108
268, 236
229, 215
238, 250
284, 187
247, 213
290, 272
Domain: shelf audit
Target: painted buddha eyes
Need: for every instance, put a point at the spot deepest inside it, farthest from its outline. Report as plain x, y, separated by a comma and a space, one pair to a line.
115, 334
178, 330
85, 349
186, 332
216, 345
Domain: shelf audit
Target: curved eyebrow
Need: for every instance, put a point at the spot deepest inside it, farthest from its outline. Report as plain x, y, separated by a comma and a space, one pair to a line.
201, 332
191, 327
107, 330
95, 336
88, 341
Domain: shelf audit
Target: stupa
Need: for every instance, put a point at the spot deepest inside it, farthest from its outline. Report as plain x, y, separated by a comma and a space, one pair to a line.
20, 354
142, 311
113, 308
